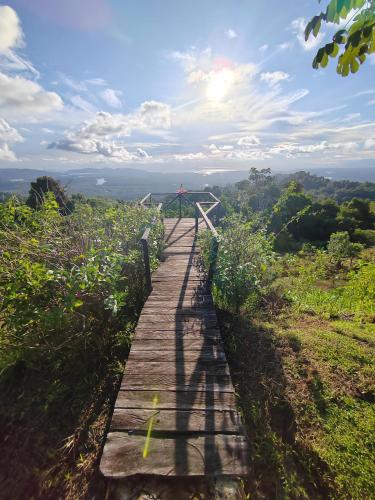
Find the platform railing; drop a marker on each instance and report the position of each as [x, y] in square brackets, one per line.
[182, 196]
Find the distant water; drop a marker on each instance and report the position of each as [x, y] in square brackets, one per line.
[100, 181]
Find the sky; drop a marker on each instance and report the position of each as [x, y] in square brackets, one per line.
[176, 86]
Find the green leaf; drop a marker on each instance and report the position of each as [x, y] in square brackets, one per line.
[354, 66]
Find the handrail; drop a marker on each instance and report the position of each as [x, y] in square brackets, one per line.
[145, 249]
[214, 241]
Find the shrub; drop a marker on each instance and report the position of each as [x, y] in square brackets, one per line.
[364, 236]
[69, 284]
[243, 263]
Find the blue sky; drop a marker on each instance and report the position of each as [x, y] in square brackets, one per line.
[179, 86]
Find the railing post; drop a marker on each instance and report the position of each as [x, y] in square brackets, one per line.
[180, 204]
[146, 260]
[196, 218]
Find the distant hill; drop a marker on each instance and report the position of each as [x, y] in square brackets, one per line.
[130, 183]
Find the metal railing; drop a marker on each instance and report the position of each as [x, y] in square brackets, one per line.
[182, 196]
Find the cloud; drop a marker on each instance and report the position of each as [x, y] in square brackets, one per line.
[81, 103]
[285, 45]
[112, 97]
[298, 28]
[190, 156]
[101, 135]
[11, 35]
[231, 34]
[274, 78]
[290, 149]
[8, 136]
[264, 48]
[11, 39]
[25, 100]
[96, 81]
[371, 103]
[249, 140]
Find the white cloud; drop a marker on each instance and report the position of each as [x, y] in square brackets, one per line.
[100, 135]
[190, 156]
[112, 97]
[249, 140]
[274, 78]
[81, 103]
[11, 35]
[371, 103]
[24, 100]
[298, 28]
[47, 130]
[11, 39]
[96, 81]
[285, 46]
[264, 47]
[231, 34]
[8, 136]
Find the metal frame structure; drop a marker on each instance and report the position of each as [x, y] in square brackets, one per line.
[182, 196]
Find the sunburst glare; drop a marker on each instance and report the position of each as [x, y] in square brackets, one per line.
[219, 84]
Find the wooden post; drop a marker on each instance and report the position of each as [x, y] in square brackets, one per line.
[196, 218]
[180, 203]
[146, 260]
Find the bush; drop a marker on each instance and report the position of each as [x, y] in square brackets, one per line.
[69, 284]
[243, 263]
[364, 236]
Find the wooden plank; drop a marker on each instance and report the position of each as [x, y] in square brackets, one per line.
[154, 344]
[206, 355]
[172, 421]
[208, 328]
[176, 317]
[176, 400]
[182, 368]
[210, 455]
[172, 382]
[170, 333]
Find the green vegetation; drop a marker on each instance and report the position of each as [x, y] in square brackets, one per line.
[296, 296]
[356, 39]
[71, 289]
[294, 285]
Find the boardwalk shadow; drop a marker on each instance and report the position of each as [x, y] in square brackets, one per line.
[202, 375]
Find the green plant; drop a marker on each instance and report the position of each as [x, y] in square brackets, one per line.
[357, 37]
[243, 263]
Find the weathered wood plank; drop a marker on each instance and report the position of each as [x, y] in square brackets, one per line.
[207, 356]
[187, 369]
[171, 334]
[176, 400]
[188, 344]
[172, 382]
[182, 456]
[172, 421]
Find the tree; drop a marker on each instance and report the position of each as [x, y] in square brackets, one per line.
[356, 39]
[259, 192]
[44, 185]
[340, 247]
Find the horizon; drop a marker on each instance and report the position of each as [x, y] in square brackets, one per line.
[176, 88]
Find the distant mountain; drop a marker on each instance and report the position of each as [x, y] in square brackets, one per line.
[126, 184]
[129, 183]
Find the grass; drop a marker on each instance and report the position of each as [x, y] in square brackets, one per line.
[306, 390]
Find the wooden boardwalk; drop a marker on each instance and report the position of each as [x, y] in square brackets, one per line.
[175, 412]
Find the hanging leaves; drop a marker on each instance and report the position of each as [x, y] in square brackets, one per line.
[356, 41]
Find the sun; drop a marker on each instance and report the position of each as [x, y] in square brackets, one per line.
[219, 84]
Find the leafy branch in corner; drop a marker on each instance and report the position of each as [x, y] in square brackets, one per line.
[354, 42]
